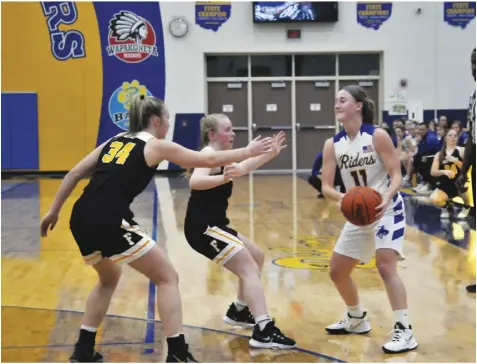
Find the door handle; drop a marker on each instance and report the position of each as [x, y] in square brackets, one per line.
[256, 127]
[314, 127]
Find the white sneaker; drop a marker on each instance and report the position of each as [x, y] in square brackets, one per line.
[463, 214]
[418, 187]
[445, 214]
[425, 190]
[402, 340]
[350, 325]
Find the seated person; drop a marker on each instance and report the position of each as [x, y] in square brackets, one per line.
[315, 178]
[427, 147]
[445, 167]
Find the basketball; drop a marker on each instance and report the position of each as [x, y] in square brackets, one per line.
[359, 205]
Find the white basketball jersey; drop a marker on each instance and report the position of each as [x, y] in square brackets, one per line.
[358, 162]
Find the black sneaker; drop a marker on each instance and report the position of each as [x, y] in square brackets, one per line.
[470, 288]
[270, 338]
[79, 356]
[187, 358]
[242, 318]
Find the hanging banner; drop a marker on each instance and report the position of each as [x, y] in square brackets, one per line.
[132, 46]
[459, 14]
[373, 14]
[212, 14]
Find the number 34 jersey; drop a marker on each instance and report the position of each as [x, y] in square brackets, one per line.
[358, 162]
[121, 174]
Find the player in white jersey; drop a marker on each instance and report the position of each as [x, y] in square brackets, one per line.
[366, 156]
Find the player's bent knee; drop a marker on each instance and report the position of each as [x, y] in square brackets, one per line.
[386, 262]
[243, 265]
[259, 258]
[336, 275]
[109, 273]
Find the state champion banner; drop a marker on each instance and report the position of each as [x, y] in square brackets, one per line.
[459, 14]
[373, 14]
[212, 14]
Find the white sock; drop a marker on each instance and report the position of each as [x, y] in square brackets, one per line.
[240, 305]
[355, 311]
[89, 328]
[402, 317]
[176, 335]
[262, 321]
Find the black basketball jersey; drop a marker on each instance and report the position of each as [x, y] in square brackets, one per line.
[121, 174]
[447, 165]
[210, 206]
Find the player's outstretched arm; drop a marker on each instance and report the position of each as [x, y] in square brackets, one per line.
[81, 170]
[159, 150]
[328, 172]
[240, 169]
[201, 179]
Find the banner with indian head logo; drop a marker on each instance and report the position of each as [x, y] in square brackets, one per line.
[132, 46]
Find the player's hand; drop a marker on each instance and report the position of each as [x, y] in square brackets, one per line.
[381, 209]
[340, 201]
[233, 170]
[278, 140]
[460, 182]
[48, 221]
[450, 174]
[259, 146]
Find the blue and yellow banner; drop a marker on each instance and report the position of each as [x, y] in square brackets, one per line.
[459, 14]
[132, 46]
[212, 14]
[373, 14]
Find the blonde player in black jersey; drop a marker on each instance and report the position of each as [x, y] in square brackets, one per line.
[446, 167]
[103, 226]
[207, 231]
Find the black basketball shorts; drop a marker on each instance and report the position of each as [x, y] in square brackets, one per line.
[448, 186]
[218, 243]
[122, 244]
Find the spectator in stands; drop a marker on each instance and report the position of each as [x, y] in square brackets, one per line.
[315, 178]
[403, 149]
[410, 146]
[427, 147]
[432, 127]
[462, 135]
[441, 132]
[443, 122]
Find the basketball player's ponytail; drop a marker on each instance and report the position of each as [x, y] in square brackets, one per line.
[368, 111]
[141, 109]
[207, 124]
[360, 95]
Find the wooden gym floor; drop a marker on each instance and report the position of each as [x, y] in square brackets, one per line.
[45, 283]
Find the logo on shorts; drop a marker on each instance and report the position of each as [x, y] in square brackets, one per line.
[131, 38]
[382, 232]
[120, 102]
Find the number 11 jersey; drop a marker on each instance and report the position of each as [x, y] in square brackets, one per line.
[358, 161]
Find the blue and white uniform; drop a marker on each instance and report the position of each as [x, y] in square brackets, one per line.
[360, 165]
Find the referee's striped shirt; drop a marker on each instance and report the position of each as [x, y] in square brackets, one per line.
[471, 117]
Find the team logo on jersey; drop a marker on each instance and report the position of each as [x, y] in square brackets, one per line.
[382, 232]
[347, 161]
[120, 102]
[131, 38]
